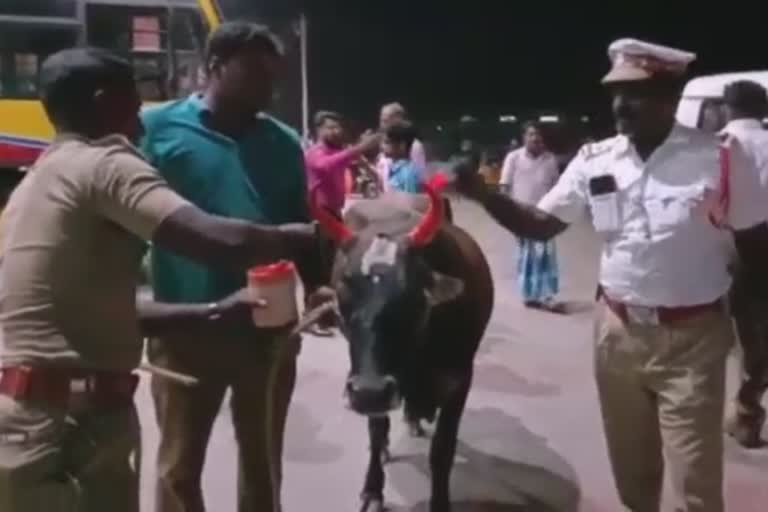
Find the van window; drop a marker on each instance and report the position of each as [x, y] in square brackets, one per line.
[712, 115]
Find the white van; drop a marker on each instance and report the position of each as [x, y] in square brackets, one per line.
[701, 106]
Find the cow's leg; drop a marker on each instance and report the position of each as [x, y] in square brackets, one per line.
[373, 491]
[443, 447]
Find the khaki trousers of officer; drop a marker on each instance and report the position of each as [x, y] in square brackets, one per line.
[261, 374]
[661, 392]
[65, 461]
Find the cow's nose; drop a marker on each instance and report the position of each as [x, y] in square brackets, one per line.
[373, 395]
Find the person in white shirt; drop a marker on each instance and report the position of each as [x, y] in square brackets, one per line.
[392, 114]
[746, 105]
[662, 335]
[527, 175]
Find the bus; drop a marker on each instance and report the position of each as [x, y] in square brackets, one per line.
[163, 39]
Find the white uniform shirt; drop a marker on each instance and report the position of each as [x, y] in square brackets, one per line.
[666, 252]
[529, 178]
[754, 139]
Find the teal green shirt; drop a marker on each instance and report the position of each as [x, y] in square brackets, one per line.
[259, 177]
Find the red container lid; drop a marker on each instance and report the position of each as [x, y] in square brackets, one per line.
[270, 273]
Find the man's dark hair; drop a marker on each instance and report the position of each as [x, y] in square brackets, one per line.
[529, 125]
[403, 132]
[325, 115]
[70, 79]
[233, 37]
[747, 98]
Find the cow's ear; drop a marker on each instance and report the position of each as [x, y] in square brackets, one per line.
[444, 289]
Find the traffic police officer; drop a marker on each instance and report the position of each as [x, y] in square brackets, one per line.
[662, 335]
[73, 236]
[746, 105]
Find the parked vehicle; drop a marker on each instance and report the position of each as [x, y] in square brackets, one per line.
[701, 105]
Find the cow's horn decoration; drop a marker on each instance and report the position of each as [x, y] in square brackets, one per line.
[426, 230]
[420, 235]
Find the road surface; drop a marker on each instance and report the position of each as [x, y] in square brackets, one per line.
[531, 438]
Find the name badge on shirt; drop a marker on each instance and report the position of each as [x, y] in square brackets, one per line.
[604, 204]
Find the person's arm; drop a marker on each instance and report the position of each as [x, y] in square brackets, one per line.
[564, 204]
[130, 193]
[225, 242]
[507, 173]
[162, 319]
[338, 162]
[323, 164]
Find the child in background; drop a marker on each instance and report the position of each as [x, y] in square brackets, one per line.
[404, 175]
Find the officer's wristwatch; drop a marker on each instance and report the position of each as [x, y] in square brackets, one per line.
[213, 312]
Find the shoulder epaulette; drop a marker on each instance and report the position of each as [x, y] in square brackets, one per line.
[594, 149]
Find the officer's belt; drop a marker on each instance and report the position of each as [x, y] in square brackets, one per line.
[57, 386]
[663, 315]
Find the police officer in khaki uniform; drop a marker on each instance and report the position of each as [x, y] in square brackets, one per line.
[73, 236]
[661, 335]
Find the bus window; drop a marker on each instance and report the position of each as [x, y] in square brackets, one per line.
[22, 49]
[164, 45]
[712, 116]
[66, 8]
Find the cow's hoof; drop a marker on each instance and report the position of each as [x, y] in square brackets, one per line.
[415, 429]
[372, 504]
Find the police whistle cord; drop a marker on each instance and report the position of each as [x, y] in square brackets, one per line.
[309, 319]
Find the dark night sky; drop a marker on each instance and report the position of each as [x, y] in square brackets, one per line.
[444, 59]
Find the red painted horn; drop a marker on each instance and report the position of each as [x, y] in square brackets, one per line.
[426, 230]
[333, 227]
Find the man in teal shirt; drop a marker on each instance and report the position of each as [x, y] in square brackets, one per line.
[220, 152]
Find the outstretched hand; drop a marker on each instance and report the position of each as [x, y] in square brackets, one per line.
[236, 310]
[469, 182]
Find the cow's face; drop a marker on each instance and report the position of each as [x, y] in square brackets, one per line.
[385, 292]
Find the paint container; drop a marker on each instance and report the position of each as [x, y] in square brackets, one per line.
[275, 284]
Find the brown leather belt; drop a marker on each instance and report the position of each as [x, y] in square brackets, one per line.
[657, 315]
[57, 386]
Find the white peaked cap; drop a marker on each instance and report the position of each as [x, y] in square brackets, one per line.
[634, 60]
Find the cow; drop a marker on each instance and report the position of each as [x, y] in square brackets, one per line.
[414, 295]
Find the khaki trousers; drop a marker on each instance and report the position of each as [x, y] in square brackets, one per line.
[662, 392]
[261, 375]
[66, 461]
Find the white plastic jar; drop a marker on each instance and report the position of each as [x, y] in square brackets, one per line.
[275, 284]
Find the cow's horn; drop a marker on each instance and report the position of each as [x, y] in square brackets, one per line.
[426, 230]
[333, 227]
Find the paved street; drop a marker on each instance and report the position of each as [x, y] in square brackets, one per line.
[531, 438]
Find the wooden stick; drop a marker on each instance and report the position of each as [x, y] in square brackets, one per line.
[310, 317]
[178, 378]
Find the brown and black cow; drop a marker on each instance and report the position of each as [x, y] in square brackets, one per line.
[415, 296]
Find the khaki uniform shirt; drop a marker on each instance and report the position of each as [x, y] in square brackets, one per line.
[73, 237]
